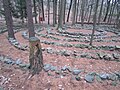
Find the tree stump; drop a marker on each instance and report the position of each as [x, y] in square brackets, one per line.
[35, 58]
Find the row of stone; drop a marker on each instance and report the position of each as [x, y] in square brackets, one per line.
[108, 28]
[82, 46]
[96, 56]
[16, 44]
[63, 71]
[74, 36]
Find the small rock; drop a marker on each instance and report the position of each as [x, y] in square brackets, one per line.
[8, 61]
[1, 88]
[22, 65]
[78, 78]
[18, 61]
[98, 78]
[69, 68]
[103, 76]
[116, 56]
[108, 57]
[89, 78]
[101, 55]
[117, 47]
[112, 77]
[47, 67]
[49, 50]
[76, 71]
[53, 68]
[64, 68]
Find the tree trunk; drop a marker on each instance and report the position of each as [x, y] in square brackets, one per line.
[64, 12]
[35, 57]
[69, 10]
[48, 1]
[92, 1]
[60, 21]
[113, 10]
[54, 12]
[8, 18]
[94, 22]
[108, 5]
[99, 18]
[34, 3]
[30, 18]
[82, 14]
[77, 10]
[74, 12]
[42, 10]
[118, 15]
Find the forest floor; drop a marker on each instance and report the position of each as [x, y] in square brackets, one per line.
[12, 77]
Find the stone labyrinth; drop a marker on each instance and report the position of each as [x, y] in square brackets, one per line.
[73, 41]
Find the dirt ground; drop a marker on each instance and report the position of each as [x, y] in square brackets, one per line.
[15, 76]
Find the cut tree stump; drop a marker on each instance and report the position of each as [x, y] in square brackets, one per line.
[35, 58]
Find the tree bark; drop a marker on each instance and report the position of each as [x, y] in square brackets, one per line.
[99, 18]
[60, 21]
[107, 10]
[64, 12]
[94, 22]
[35, 57]
[54, 12]
[118, 15]
[30, 18]
[34, 3]
[48, 1]
[8, 18]
[69, 10]
[74, 12]
[82, 14]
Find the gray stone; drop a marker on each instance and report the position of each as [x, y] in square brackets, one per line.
[1, 88]
[118, 74]
[78, 78]
[64, 68]
[49, 50]
[22, 65]
[117, 47]
[8, 61]
[116, 56]
[83, 55]
[76, 71]
[98, 78]
[69, 68]
[53, 68]
[103, 76]
[112, 77]
[89, 78]
[101, 55]
[47, 67]
[18, 61]
[108, 57]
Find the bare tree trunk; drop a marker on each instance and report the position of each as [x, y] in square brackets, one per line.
[35, 57]
[118, 15]
[60, 21]
[82, 14]
[69, 10]
[77, 10]
[113, 10]
[54, 12]
[8, 18]
[108, 5]
[64, 12]
[34, 3]
[30, 18]
[43, 10]
[92, 1]
[99, 18]
[110, 11]
[74, 12]
[94, 22]
[48, 1]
